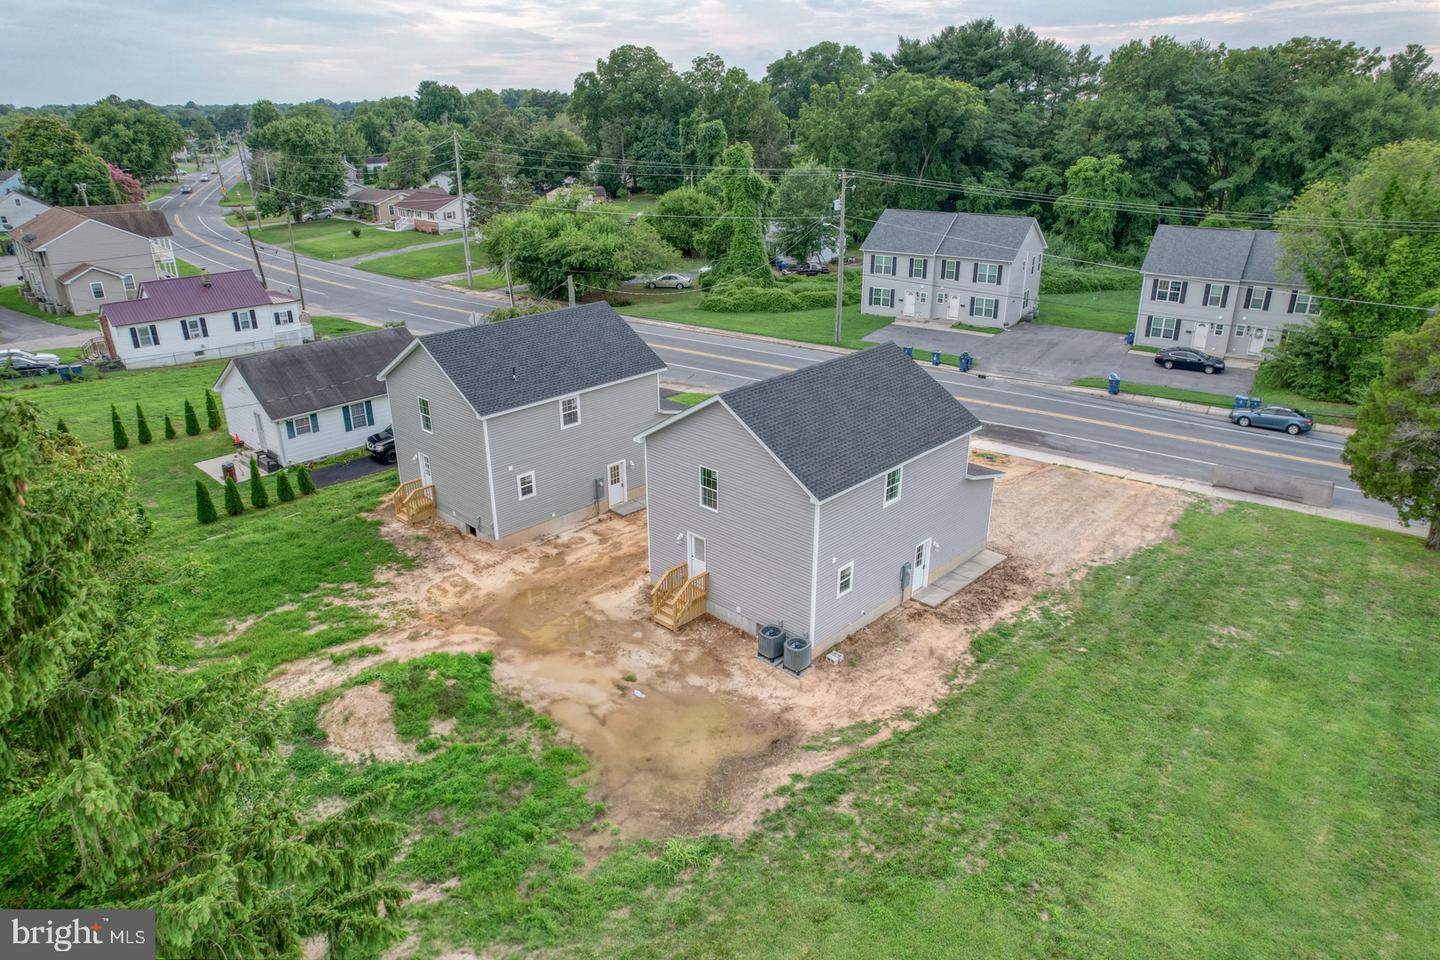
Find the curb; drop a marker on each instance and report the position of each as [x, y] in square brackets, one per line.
[1193, 486]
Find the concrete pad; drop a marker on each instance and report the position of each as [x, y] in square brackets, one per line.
[958, 579]
[241, 459]
[629, 507]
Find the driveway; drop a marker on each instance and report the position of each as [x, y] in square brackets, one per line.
[349, 470]
[24, 332]
[1032, 351]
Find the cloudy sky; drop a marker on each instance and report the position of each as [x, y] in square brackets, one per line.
[223, 51]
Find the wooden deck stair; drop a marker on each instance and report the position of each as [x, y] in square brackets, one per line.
[677, 598]
[414, 501]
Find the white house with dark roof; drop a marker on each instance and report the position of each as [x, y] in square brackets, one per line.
[527, 425]
[311, 401]
[430, 211]
[185, 319]
[975, 268]
[1219, 290]
[820, 498]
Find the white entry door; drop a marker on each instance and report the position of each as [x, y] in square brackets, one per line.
[909, 307]
[921, 576]
[1257, 342]
[616, 475]
[425, 479]
[1200, 335]
[260, 431]
[695, 554]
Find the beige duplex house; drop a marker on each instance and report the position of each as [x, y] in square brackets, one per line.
[75, 258]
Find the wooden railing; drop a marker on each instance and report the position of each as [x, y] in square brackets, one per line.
[677, 598]
[414, 500]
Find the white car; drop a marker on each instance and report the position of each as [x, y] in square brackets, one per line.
[677, 280]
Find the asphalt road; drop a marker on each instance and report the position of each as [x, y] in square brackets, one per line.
[1115, 432]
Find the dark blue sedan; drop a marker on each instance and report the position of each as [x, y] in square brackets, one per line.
[1290, 420]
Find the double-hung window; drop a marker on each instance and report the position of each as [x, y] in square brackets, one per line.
[882, 264]
[243, 319]
[1162, 328]
[949, 269]
[987, 273]
[892, 486]
[709, 489]
[97, 290]
[1304, 303]
[882, 297]
[845, 579]
[987, 307]
[1171, 291]
[302, 426]
[569, 412]
[283, 317]
[1216, 294]
[425, 423]
[359, 415]
[195, 327]
[525, 484]
[128, 281]
[919, 266]
[144, 335]
[1257, 298]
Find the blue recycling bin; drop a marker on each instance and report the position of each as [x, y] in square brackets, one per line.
[70, 371]
[1241, 401]
[1255, 403]
[910, 352]
[1113, 386]
[966, 361]
[935, 358]
[1130, 338]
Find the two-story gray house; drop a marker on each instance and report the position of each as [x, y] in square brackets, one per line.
[810, 498]
[75, 258]
[1219, 290]
[527, 425]
[975, 268]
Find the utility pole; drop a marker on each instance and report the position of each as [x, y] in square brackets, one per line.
[83, 195]
[840, 258]
[570, 287]
[245, 219]
[509, 288]
[464, 210]
[245, 170]
[290, 229]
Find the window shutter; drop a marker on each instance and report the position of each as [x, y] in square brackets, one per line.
[1291, 307]
[972, 306]
[314, 423]
[1149, 326]
[154, 336]
[1266, 304]
[974, 278]
[1155, 289]
[345, 415]
[1224, 296]
[369, 413]
[872, 263]
[185, 329]
[134, 338]
[290, 429]
[204, 329]
[1249, 297]
[1184, 289]
[1205, 300]
[235, 319]
[999, 273]
[924, 269]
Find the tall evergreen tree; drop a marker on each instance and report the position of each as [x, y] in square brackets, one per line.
[259, 497]
[212, 412]
[129, 784]
[303, 481]
[204, 506]
[142, 426]
[233, 504]
[118, 436]
[169, 428]
[283, 489]
[192, 422]
[60, 426]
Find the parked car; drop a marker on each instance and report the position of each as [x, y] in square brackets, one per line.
[677, 280]
[811, 269]
[1186, 359]
[26, 363]
[188, 188]
[324, 213]
[381, 446]
[1289, 419]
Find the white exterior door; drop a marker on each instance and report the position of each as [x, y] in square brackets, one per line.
[921, 576]
[259, 432]
[425, 479]
[616, 476]
[1200, 335]
[695, 554]
[909, 307]
[1257, 341]
[954, 308]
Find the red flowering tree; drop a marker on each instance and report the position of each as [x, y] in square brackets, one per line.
[127, 185]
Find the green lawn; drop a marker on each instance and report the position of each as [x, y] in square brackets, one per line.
[689, 398]
[806, 326]
[338, 326]
[237, 194]
[1340, 414]
[185, 268]
[440, 260]
[157, 190]
[332, 240]
[975, 328]
[10, 299]
[1109, 311]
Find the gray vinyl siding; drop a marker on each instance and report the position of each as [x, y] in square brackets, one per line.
[95, 243]
[759, 544]
[456, 445]
[567, 462]
[1196, 323]
[936, 501]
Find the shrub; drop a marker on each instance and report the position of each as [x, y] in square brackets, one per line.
[283, 490]
[142, 426]
[522, 308]
[212, 411]
[60, 426]
[117, 430]
[738, 298]
[233, 504]
[169, 428]
[303, 481]
[192, 422]
[1058, 278]
[204, 506]
[355, 232]
[259, 496]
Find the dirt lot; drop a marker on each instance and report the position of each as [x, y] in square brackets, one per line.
[690, 733]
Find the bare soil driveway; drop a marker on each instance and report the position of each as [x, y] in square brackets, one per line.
[1033, 351]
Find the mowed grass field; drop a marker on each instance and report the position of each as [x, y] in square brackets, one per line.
[437, 260]
[332, 239]
[1108, 311]
[1225, 746]
[806, 326]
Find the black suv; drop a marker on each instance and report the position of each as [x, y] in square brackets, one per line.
[1187, 359]
[381, 446]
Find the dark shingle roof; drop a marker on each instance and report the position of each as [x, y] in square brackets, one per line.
[295, 380]
[1216, 253]
[969, 236]
[847, 420]
[551, 355]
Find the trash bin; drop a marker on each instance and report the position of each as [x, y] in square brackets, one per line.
[70, 371]
[1130, 338]
[910, 352]
[965, 361]
[1114, 384]
[935, 358]
[1241, 401]
[1255, 403]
